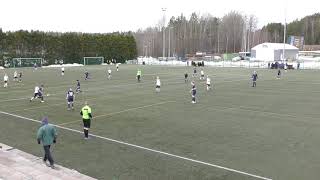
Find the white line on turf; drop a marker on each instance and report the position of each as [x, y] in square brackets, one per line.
[17, 99]
[113, 113]
[147, 149]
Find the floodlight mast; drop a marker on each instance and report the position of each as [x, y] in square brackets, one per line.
[163, 32]
[284, 31]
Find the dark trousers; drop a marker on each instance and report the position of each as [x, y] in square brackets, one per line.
[47, 154]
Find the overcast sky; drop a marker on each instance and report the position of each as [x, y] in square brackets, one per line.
[102, 16]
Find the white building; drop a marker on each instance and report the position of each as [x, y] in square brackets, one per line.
[274, 52]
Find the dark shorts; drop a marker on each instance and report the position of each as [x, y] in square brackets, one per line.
[157, 86]
[70, 99]
[138, 76]
[86, 123]
[194, 93]
[208, 85]
[5, 81]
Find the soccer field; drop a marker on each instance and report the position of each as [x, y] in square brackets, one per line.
[234, 132]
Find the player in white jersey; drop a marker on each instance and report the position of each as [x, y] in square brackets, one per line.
[38, 93]
[70, 98]
[208, 83]
[117, 65]
[158, 84]
[109, 73]
[15, 76]
[201, 74]
[62, 71]
[5, 79]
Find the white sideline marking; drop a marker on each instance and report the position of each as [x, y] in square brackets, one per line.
[113, 113]
[147, 149]
[7, 100]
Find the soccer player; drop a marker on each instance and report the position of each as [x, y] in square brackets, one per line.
[279, 74]
[185, 77]
[109, 73]
[193, 92]
[285, 67]
[15, 76]
[117, 65]
[208, 83]
[86, 117]
[194, 72]
[5, 79]
[20, 76]
[38, 93]
[70, 98]
[35, 66]
[78, 87]
[86, 75]
[62, 71]
[202, 74]
[139, 75]
[254, 79]
[158, 84]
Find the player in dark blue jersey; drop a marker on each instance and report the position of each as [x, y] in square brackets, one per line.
[279, 74]
[186, 77]
[194, 72]
[78, 90]
[86, 75]
[193, 92]
[70, 98]
[254, 79]
[20, 76]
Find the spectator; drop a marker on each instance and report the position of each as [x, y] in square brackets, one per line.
[47, 135]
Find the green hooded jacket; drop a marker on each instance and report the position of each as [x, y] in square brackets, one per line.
[46, 134]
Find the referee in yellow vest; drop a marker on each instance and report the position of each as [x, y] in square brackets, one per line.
[86, 117]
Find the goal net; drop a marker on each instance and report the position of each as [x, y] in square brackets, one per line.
[23, 62]
[93, 60]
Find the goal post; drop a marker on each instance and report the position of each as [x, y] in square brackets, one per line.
[93, 60]
[24, 62]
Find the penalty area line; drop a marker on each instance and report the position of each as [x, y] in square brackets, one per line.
[145, 148]
[118, 112]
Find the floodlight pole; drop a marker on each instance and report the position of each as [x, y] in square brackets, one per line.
[169, 44]
[163, 32]
[284, 30]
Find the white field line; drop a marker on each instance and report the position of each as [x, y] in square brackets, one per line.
[92, 89]
[68, 86]
[17, 99]
[124, 85]
[147, 149]
[118, 112]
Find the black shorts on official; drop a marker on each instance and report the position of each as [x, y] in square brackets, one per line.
[157, 86]
[208, 84]
[86, 123]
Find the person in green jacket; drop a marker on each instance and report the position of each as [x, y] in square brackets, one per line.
[86, 117]
[47, 135]
[139, 74]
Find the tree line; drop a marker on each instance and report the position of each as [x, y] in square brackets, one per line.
[232, 33]
[70, 47]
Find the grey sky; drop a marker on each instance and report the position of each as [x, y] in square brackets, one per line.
[124, 15]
